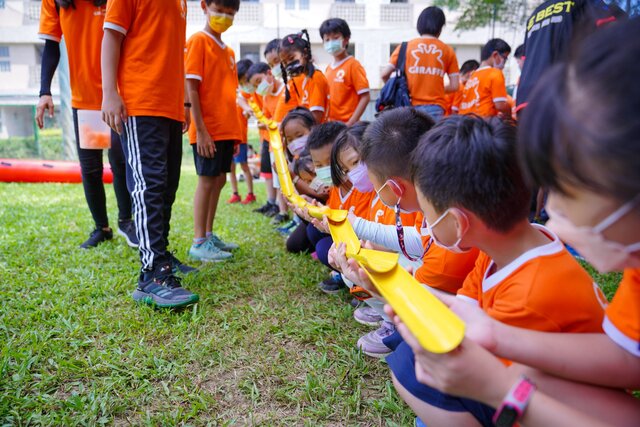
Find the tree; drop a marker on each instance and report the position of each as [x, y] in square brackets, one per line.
[483, 13]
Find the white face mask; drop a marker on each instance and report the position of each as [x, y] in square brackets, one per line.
[276, 71]
[455, 248]
[397, 205]
[264, 87]
[605, 255]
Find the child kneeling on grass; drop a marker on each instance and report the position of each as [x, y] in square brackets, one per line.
[216, 134]
[586, 155]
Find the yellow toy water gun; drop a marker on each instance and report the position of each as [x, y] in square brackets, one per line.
[436, 327]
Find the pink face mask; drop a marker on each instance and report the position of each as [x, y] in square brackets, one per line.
[455, 248]
[605, 255]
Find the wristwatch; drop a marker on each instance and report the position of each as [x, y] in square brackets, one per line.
[514, 403]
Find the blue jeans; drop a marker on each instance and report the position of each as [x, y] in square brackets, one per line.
[435, 111]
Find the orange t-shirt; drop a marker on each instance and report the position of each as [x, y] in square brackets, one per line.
[453, 101]
[310, 92]
[151, 71]
[381, 214]
[544, 289]
[354, 201]
[442, 269]
[427, 61]
[264, 133]
[347, 81]
[484, 88]
[82, 30]
[213, 63]
[244, 124]
[622, 317]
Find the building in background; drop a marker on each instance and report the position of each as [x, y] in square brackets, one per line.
[377, 27]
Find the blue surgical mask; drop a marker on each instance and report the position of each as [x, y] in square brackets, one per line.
[360, 178]
[324, 175]
[333, 46]
[264, 87]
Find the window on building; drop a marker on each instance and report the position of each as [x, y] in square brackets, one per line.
[291, 4]
[5, 63]
[250, 51]
[398, 1]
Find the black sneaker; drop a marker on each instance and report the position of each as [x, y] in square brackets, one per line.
[280, 218]
[160, 288]
[355, 303]
[178, 267]
[332, 285]
[273, 211]
[128, 230]
[97, 236]
[263, 209]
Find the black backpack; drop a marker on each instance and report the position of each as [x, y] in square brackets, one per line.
[395, 92]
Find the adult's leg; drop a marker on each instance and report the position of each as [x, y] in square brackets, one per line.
[145, 144]
[92, 169]
[119, 170]
[174, 163]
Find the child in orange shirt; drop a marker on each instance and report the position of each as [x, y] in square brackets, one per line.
[270, 208]
[348, 84]
[520, 275]
[561, 146]
[386, 145]
[304, 85]
[244, 112]
[455, 98]
[143, 99]
[215, 137]
[485, 93]
[428, 60]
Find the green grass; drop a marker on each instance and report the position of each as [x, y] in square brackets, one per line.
[263, 346]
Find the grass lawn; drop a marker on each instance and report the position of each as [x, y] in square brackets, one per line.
[264, 346]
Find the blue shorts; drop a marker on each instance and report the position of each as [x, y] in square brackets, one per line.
[242, 155]
[402, 364]
[435, 111]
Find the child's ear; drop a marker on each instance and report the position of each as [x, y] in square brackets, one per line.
[462, 220]
[203, 5]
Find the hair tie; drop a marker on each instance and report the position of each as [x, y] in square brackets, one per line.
[290, 39]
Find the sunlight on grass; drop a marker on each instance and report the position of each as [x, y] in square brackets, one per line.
[264, 346]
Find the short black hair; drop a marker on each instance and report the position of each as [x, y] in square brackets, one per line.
[519, 52]
[492, 45]
[299, 113]
[232, 4]
[567, 138]
[324, 134]
[348, 138]
[243, 66]
[470, 162]
[257, 68]
[388, 142]
[271, 46]
[335, 25]
[431, 21]
[470, 65]
[303, 164]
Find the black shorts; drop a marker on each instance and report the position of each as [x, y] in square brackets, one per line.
[219, 164]
[265, 160]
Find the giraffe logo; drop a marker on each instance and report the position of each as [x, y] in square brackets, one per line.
[427, 50]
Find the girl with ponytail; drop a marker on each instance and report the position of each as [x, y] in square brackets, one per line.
[305, 86]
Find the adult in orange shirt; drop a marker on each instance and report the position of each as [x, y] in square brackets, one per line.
[428, 60]
[143, 99]
[485, 93]
[305, 86]
[212, 80]
[348, 84]
[80, 22]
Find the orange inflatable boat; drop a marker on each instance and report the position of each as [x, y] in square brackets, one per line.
[19, 170]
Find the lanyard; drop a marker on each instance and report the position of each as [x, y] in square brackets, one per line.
[400, 232]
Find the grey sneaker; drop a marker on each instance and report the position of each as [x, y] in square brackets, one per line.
[371, 343]
[208, 252]
[224, 246]
[127, 230]
[366, 315]
[160, 288]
